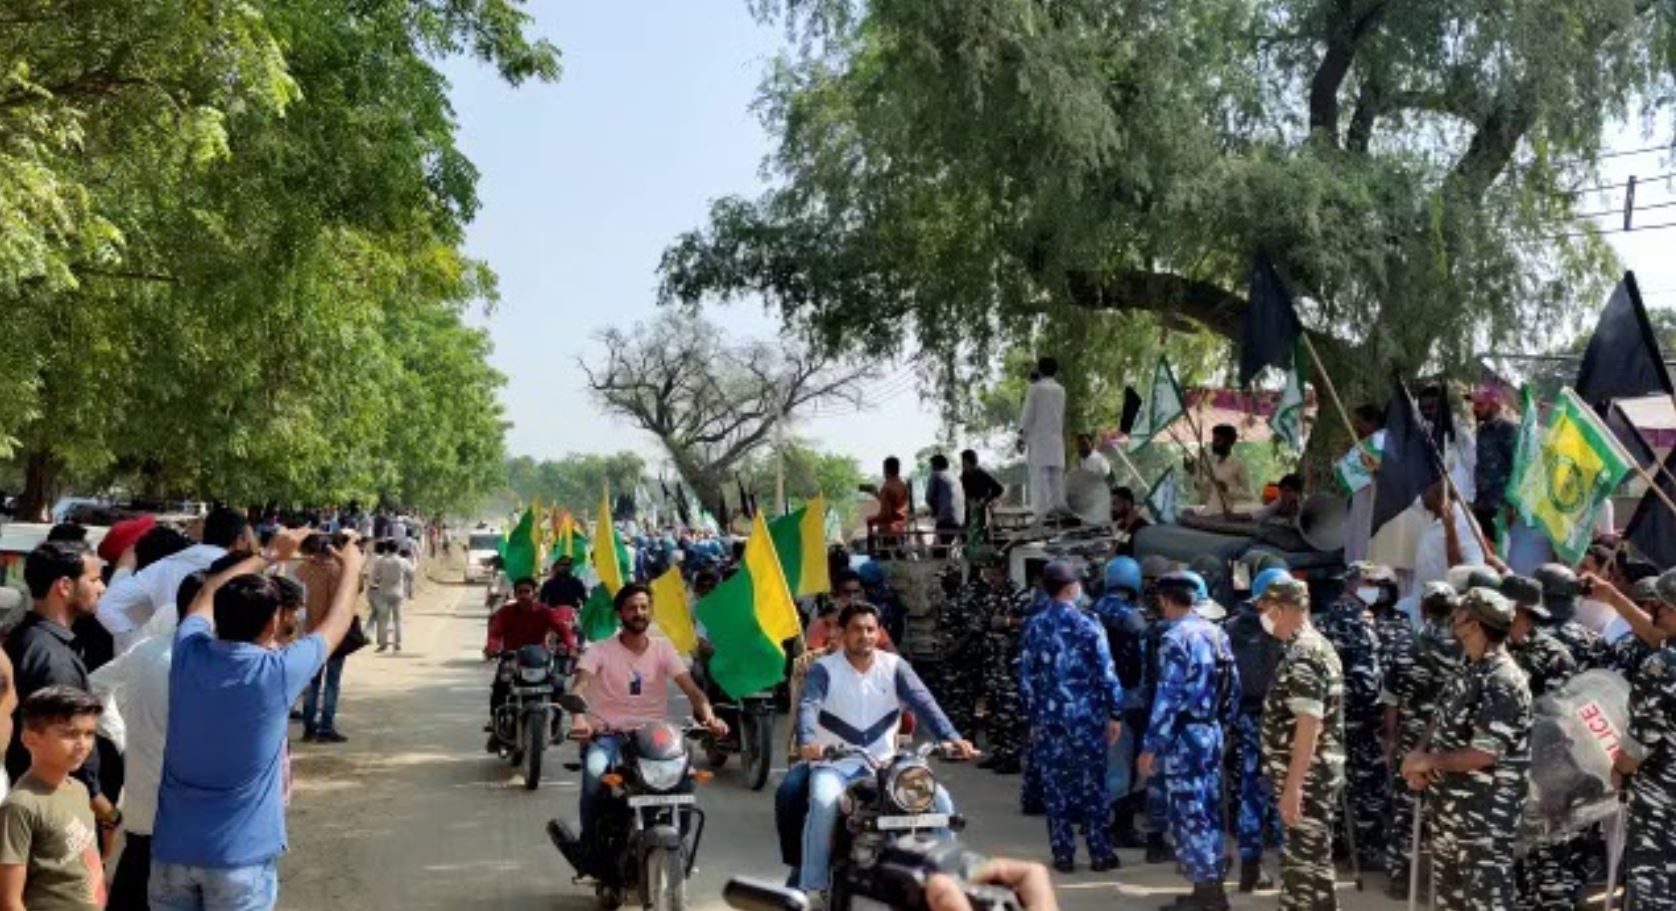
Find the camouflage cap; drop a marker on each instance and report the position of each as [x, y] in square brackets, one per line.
[1484, 577]
[1647, 589]
[1437, 594]
[1372, 572]
[1155, 566]
[1288, 592]
[1488, 607]
[1666, 587]
[1525, 593]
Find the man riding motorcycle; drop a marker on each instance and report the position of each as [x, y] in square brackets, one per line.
[856, 697]
[626, 682]
[520, 622]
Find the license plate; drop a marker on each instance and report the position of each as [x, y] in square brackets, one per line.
[922, 821]
[661, 800]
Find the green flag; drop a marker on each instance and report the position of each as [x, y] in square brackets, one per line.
[1577, 465]
[1287, 422]
[522, 549]
[748, 616]
[599, 615]
[800, 542]
[1162, 405]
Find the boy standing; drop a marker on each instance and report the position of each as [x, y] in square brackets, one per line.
[49, 842]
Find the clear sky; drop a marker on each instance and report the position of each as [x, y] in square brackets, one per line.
[585, 181]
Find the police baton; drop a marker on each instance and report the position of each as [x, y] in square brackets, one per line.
[1350, 834]
[1414, 850]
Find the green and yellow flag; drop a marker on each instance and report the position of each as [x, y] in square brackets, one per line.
[671, 612]
[521, 554]
[599, 615]
[1578, 464]
[570, 540]
[747, 618]
[800, 541]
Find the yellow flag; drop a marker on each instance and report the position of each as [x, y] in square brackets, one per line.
[605, 547]
[776, 613]
[671, 612]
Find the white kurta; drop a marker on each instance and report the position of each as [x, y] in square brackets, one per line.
[1042, 427]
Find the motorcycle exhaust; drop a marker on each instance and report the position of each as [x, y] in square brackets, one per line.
[749, 894]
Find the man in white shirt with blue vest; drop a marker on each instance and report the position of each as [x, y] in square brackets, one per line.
[855, 697]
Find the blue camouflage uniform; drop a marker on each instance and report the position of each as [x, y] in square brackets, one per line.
[1030, 788]
[1196, 680]
[1125, 628]
[1069, 691]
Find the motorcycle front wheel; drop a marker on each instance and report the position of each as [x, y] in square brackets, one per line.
[756, 741]
[666, 881]
[535, 744]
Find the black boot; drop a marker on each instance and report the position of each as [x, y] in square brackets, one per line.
[1157, 852]
[1207, 897]
[1123, 828]
[569, 845]
[1102, 864]
[1251, 874]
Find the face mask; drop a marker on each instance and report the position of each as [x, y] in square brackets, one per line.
[1267, 619]
[1368, 594]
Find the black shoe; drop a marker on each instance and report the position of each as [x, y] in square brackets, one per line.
[330, 737]
[988, 762]
[1007, 767]
[1157, 852]
[1105, 863]
[493, 746]
[296, 714]
[569, 845]
[1206, 897]
[1064, 866]
[1127, 837]
[1250, 872]
[1177, 904]
[1033, 809]
[309, 737]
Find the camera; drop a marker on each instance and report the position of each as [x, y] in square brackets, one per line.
[895, 879]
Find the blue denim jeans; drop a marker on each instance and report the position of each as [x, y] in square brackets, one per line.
[177, 887]
[602, 754]
[826, 784]
[329, 678]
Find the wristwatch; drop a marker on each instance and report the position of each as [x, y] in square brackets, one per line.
[115, 822]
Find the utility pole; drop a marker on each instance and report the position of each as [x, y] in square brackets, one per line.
[780, 457]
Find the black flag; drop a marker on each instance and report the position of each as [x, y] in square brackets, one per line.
[1269, 329]
[1131, 409]
[1624, 429]
[721, 516]
[1623, 359]
[681, 505]
[1652, 529]
[1409, 464]
[665, 488]
[746, 504]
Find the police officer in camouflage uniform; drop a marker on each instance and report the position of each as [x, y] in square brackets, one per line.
[1119, 611]
[1348, 625]
[1551, 876]
[958, 679]
[1647, 760]
[1197, 687]
[1070, 692]
[1256, 653]
[1420, 668]
[1031, 801]
[1626, 654]
[1154, 803]
[1475, 771]
[1303, 746]
[1560, 589]
[1003, 613]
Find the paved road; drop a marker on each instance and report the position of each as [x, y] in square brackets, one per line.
[413, 814]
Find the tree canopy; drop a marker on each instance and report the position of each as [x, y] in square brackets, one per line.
[952, 173]
[231, 235]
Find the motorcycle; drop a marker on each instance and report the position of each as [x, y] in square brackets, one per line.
[879, 813]
[750, 733]
[649, 827]
[527, 721]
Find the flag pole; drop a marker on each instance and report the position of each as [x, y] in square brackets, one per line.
[1327, 381]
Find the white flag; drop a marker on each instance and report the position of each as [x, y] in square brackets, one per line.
[1161, 499]
[1162, 405]
[1287, 422]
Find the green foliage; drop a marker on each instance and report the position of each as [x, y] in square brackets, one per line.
[966, 176]
[575, 481]
[232, 233]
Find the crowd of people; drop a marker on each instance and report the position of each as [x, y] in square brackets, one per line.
[148, 691]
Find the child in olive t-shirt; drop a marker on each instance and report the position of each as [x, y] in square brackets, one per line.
[49, 844]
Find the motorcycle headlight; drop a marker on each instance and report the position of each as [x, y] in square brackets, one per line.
[913, 789]
[504, 673]
[662, 774]
[532, 674]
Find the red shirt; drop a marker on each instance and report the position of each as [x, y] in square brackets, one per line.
[513, 627]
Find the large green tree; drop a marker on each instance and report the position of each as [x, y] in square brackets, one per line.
[951, 173]
[242, 273]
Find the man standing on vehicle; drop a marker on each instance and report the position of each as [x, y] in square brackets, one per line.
[855, 698]
[626, 681]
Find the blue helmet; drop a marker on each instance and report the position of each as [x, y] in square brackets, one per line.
[1201, 591]
[871, 573]
[1265, 579]
[1121, 573]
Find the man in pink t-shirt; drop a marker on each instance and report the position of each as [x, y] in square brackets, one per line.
[626, 682]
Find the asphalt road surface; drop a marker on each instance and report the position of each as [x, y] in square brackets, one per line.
[411, 813]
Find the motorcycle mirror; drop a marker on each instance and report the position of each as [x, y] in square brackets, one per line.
[573, 703]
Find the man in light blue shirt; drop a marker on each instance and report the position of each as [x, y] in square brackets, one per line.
[220, 815]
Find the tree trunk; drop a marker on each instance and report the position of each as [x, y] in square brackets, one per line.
[40, 485]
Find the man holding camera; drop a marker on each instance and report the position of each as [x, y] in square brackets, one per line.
[855, 697]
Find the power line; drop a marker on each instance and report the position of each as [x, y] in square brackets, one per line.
[1614, 186]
